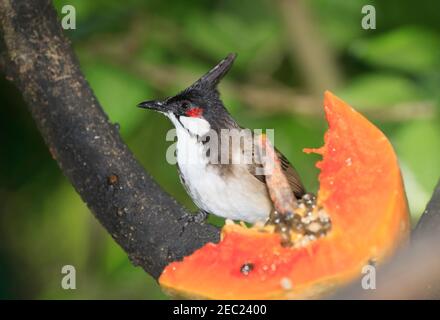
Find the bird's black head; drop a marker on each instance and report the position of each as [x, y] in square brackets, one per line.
[200, 100]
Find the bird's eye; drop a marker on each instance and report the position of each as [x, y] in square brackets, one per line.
[185, 105]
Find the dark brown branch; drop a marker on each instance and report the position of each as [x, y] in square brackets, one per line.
[142, 218]
[308, 47]
[430, 219]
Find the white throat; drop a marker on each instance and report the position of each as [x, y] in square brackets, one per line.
[190, 151]
[196, 126]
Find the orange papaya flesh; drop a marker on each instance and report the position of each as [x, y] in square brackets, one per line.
[361, 189]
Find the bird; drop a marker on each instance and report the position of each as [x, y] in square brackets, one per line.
[230, 190]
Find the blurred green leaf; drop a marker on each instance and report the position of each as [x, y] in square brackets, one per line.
[232, 35]
[119, 92]
[418, 145]
[380, 90]
[334, 16]
[409, 49]
[83, 9]
[418, 196]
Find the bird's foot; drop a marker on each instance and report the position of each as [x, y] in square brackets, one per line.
[199, 217]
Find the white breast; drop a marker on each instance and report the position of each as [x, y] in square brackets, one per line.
[235, 196]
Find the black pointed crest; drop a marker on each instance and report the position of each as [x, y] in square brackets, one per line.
[213, 77]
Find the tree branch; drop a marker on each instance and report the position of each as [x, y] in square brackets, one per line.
[141, 217]
[314, 56]
[430, 220]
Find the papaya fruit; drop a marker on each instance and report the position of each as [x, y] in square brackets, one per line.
[361, 191]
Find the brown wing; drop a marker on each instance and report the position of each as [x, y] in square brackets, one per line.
[291, 175]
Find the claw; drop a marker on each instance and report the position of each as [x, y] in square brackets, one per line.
[199, 217]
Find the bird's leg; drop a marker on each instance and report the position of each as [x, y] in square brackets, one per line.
[199, 217]
[274, 217]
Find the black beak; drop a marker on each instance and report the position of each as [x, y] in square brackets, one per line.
[152, 105]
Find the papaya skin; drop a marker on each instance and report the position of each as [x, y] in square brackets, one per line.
[361, 189]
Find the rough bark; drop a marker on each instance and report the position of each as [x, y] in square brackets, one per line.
[140, 216]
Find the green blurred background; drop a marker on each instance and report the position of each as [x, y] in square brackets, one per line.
[288, 53]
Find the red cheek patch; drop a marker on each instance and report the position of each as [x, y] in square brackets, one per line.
[194, 112]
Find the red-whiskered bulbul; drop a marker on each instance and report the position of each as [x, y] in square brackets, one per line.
[228, 190]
